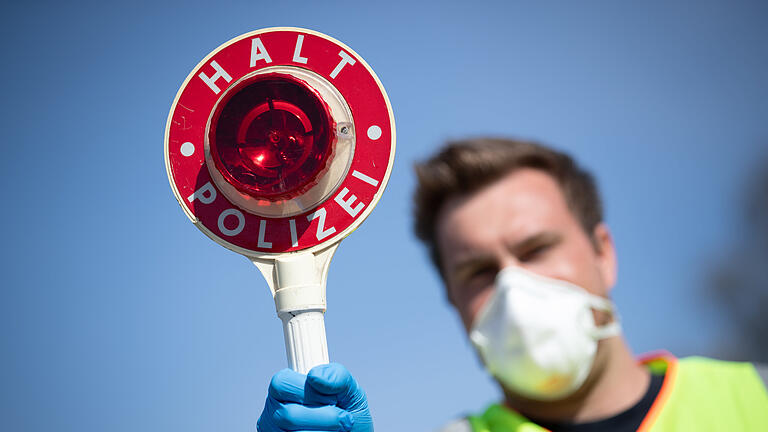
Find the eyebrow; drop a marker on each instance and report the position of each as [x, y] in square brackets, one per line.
[537, 240]
[476, 260]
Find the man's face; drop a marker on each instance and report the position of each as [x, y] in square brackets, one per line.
[522, 220]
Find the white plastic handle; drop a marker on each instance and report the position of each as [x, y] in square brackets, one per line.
[297, 282]
[305, 342]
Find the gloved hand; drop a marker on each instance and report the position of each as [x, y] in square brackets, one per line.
[326, 399]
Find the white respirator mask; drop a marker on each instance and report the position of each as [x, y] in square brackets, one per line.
[537, 335]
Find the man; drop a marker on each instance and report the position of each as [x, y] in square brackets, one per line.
[515, 230]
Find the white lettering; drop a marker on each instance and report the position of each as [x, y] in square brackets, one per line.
[347, 204]
[258, 52]
[365, 178]
[345, 59]
[262, 231]
[211, 81]
[200, 194]
[294, 236]
[240, 222]
[321, 231]
[297, 52]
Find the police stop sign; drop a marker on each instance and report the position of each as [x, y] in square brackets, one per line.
[280, 140]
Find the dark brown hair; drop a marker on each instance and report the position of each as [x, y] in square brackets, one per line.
[464, 166]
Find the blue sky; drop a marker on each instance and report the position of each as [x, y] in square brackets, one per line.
[117, 314]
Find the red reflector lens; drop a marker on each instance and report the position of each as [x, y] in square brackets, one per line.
[272, 137]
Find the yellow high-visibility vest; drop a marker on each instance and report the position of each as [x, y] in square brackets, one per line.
[698, 394]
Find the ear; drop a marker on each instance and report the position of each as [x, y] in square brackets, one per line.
[606, 255]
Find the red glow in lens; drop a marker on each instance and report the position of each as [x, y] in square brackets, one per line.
[273, 137]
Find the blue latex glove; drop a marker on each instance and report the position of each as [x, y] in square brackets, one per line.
[326, 399]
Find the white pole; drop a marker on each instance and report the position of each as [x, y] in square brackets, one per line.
[300, 303]
[305, 343]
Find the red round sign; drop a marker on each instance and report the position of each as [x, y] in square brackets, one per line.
[280, 140]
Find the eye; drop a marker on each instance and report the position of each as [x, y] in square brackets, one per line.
[474, 282]
[482, 273]
[534, 253]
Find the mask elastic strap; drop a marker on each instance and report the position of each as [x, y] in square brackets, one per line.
[611, 329]
[600, 303]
